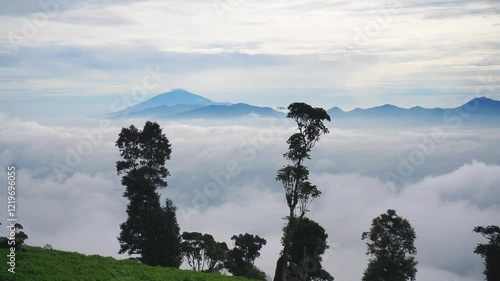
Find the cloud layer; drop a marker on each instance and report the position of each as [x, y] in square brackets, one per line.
[347, 53]
[230, 189]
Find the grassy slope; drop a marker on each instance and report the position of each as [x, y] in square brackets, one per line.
[37, 264]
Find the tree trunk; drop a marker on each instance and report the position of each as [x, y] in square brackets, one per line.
[281, 270]
[280, 265]
[303, 276]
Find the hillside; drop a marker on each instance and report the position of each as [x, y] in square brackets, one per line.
[37, 264]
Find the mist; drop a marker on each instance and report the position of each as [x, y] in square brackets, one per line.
[442, 179]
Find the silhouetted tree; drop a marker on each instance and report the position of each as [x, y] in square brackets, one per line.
[20, 235]
[490, 252]
[168, 243]
[241, 259]
[217, 255]
[18, 240]
[309, 244]
[202, 252]
[295, 176]
[145, 232]
[392, 249]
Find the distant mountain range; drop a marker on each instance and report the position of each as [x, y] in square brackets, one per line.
[477, 111]
[181, 104]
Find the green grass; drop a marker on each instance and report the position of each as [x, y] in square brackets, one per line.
[37, 264]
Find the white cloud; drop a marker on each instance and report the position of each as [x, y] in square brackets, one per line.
[446, 197]
[356, 48]
[445, 240]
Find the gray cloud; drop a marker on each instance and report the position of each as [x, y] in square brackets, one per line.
[90, 72]
[328, 47]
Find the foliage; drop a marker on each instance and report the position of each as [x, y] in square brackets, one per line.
[168, 242]
[295, 176]
[150, 230]
[54, 265]
[241, 259]
[20, 237]
[490, 252]
[4, 242]
[299, 191]
[309, 244]
[202, 252]
[392, 249]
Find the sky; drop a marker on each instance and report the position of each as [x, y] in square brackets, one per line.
[65, 62]
[329, 52]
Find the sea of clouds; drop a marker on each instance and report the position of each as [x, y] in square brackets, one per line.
[443, 180]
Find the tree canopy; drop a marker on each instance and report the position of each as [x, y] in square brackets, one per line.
[241, 259]
[202, 252]
[490, 252]
[309, 244]
[391, 248]
[150, 230]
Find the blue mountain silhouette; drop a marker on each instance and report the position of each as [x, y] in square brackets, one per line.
[181, 104]
[477, 111]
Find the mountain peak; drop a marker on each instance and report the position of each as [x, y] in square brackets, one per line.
[179, 91]
[388, 106]
[335, 109]
[483, 101]
[173, 98]
[484, 98]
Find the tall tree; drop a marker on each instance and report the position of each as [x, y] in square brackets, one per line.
[144, 153]
[202, 252]
[299, 191]
[490, 252]
[309, 244]
[241, 259]
[392, 249]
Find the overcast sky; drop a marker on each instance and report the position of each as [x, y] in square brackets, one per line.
[68, 59]
[328, 52]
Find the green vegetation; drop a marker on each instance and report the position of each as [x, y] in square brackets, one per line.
[37, 264]
[391, 248]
